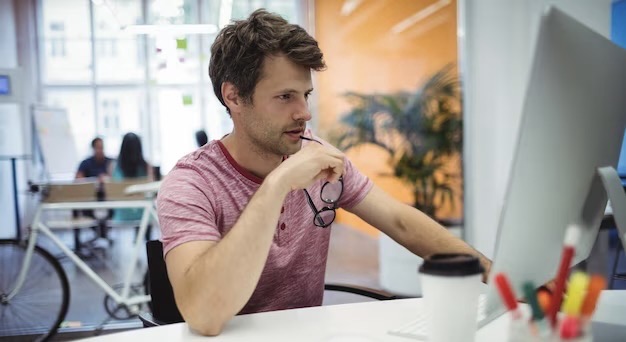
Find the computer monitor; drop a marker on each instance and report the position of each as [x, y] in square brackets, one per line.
[5, 85]
[573, 122]
[10, 86]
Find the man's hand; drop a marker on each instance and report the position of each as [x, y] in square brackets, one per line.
[311, 163]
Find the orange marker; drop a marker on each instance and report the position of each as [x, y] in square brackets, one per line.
[544, 300]
[596, 285]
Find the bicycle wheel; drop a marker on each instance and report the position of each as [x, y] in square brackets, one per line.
[41, 304]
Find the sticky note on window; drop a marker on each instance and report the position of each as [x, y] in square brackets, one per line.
[181, 44]
[187, 100]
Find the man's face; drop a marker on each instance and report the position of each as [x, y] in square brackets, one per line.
[279, 110]
[98, 149]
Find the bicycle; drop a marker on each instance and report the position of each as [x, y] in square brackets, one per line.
[34, 297]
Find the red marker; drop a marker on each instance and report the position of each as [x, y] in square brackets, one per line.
[570, 328]
[571, 239]
[506, 292]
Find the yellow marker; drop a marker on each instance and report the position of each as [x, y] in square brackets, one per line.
[576, 290]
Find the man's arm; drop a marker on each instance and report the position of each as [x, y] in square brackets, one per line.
[411, 228]
[80, 173]
[212, 281]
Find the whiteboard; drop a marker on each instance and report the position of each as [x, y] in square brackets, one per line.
[55, 141]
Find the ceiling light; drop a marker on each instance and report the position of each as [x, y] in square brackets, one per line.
[417, 17]
[349, 6]
[173, 30]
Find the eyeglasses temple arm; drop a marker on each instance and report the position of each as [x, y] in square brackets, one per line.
[313, 208]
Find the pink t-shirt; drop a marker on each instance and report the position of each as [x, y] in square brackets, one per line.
[202, 198]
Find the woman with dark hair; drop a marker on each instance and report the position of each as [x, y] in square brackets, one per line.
[130, 165]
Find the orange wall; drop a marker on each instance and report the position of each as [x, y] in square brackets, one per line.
[364, 55]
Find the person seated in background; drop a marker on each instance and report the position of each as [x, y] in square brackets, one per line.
[130, 165]
[201, 138]
[240, 234]
[96, 165]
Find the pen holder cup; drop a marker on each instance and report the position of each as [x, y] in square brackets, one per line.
[521, 331]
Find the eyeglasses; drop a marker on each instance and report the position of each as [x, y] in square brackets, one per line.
[330, 194]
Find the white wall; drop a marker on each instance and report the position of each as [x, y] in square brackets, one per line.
[7, 35]
[496, 42]
[17, 44]
[8, 60]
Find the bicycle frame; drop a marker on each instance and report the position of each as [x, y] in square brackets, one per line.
[149, 213]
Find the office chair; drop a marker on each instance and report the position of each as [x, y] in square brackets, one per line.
[163, 305]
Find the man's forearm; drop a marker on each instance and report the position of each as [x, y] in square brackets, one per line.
[223, 278]
[430, 237]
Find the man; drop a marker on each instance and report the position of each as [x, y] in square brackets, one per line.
[240, 234]
[96, 165]
[201, 138]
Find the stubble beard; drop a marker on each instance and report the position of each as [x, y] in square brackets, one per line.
[270, 142]
[273, 143]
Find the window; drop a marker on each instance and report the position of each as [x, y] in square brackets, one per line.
[81, 115]
[119, 56]
[67, 50]
[113, 81]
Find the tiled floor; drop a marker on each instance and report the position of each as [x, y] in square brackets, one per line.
[353, 259]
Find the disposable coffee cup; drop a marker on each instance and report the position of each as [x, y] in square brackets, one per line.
[450, 287]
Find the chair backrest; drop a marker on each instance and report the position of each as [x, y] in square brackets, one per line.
[71, 192]
[115, 191]
[163, 306]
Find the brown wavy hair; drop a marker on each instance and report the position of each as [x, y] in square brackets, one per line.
[240, 48]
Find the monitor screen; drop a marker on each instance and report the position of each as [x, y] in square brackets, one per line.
[621, 166]
[5, 85]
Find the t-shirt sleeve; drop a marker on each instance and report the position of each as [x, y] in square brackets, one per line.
[83, 167]
[186, 209]
[355, 186]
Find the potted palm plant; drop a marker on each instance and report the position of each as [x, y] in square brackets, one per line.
[422, 133]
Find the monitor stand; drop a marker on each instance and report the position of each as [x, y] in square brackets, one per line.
[615, 192]
[607, 321]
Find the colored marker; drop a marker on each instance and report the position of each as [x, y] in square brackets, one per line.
[571, 239]
[537, 320]
[576, 290]
[596, 285]
[570, 328]
[531, 298]
[544, 297]
[507, 295]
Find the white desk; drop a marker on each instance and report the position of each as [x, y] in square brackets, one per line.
[368, 321]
